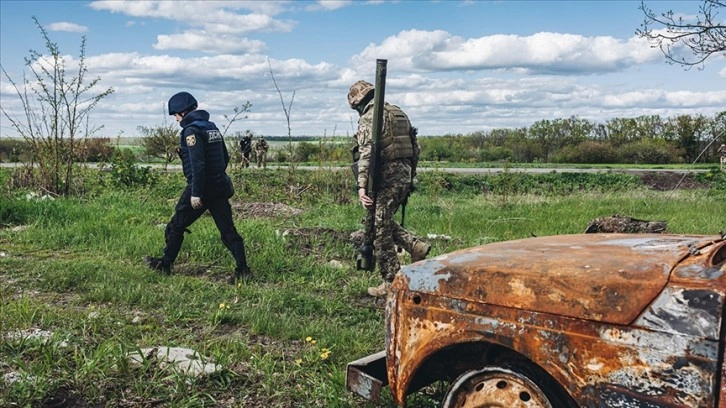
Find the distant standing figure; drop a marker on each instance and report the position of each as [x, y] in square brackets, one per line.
[204, 158]
[245, 144]
[722, 152]
[261, 151]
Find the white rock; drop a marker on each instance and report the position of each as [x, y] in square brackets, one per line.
[183, 360]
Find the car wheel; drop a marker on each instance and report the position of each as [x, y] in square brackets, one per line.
[493, 387]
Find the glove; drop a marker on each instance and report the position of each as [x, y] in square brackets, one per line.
[196, 203]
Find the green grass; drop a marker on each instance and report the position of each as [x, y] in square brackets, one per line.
[73, 266]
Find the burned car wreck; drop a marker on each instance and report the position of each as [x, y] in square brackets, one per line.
[586, 320]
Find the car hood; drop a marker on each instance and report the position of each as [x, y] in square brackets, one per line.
[602, 277]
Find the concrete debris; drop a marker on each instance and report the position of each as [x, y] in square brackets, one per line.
[183, 360]
[36, 334]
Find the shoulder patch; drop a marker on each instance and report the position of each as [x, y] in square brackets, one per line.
[191, 140]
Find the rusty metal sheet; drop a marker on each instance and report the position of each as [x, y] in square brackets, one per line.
[601, 277]
[367, 376]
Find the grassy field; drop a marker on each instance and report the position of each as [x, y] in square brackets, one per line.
[73, 268]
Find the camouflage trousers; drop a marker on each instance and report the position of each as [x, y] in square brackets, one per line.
[262, 159]
[395, 186]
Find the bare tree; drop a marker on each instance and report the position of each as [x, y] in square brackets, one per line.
[286, 109]
[704, 37]
[247, 107]
[55, 111]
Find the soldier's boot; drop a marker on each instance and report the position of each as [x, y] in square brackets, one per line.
[379, 291]
[158, 265]
[420, 251]
[240, 274]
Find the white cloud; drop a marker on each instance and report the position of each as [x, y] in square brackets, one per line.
[545, 52]
[212, 16]
[329, 5]
[68, 27]
[203, 41]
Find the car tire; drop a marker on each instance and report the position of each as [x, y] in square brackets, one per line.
[499, 386]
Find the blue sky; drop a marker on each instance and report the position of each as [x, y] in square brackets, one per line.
[453, 66]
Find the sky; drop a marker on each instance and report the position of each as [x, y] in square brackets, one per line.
[455, 67]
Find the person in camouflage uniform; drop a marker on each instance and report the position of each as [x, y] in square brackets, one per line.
[261, 148]
[399, 155]
[722, 152]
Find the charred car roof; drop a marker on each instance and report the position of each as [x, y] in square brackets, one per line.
[602, 277]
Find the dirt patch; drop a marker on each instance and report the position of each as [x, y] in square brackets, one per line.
[315, 240]
[666, 180]
[64, 397]
[265, 210]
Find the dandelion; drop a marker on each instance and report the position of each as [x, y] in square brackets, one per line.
[221, 306]
[313, 342]
[298, 361]
[324, 355]
[308, 339]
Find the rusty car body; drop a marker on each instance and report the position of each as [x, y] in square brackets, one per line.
[586, 320]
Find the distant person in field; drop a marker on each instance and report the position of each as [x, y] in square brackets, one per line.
[204, 161]
[399, 152]
[245, 145]
[722, 152]
[261, 151]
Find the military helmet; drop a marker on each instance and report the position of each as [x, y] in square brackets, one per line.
[358, 92]
[182, 102]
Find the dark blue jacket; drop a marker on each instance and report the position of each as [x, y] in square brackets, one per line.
[203, 152]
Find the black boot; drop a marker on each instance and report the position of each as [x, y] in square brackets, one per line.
[158, 264]
[240, 274]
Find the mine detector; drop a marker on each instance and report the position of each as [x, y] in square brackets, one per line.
[586, 320]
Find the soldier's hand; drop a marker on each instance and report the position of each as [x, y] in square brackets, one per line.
[363, 197]
[196, 203]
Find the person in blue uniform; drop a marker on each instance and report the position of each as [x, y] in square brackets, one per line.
[204, 160]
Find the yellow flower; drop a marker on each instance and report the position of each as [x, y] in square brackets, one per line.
[308, 339]
[298, 361]
[313, 341]
[324, 356]
[221, 305]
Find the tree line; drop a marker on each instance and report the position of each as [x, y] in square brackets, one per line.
[647, 139]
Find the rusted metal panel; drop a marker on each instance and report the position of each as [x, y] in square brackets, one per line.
[677, 310]
[602, 314]
[602, 277]
[585, 357]
[367, 376]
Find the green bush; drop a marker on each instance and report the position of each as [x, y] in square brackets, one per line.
[13, 150]
[125, 172]
[96, 149]
[648, 151]
[590, 152]
[715, 178]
